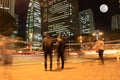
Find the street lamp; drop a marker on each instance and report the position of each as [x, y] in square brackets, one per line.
[31, 38]
[97, 34]
[80, 39]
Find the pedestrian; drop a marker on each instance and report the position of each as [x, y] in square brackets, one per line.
[47, 48]
[60, 52]
[99, 47]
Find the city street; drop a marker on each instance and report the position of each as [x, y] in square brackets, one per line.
[75, 69]
[84, 34]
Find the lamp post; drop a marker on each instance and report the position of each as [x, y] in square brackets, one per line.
[80, 39]
[31, 38]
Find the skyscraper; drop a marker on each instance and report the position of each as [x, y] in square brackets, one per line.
[87, 25]
[60, 17]
[33, 25]
[8, 6]
[115, 21]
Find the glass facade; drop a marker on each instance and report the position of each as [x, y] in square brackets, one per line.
[60, 17]
[115, 23]
[8, 6]
[33, 26]
[86, 22]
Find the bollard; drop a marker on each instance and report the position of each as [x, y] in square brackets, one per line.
[118, 56]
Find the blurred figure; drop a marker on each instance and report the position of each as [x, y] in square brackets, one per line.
[60, 52]
[99, 47]
[47, 48]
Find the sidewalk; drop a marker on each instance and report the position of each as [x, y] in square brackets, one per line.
[86, 70]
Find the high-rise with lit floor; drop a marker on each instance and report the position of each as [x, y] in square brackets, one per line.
[8, 6]
[115, 23]
[33, 24]
[87, 25]
[60, 17]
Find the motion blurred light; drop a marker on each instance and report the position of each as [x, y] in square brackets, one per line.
[103, 8]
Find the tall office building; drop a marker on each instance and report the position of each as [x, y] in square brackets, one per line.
[33, 25]
[115, 23]
[8, 6]
[87, 25]
[60, 17]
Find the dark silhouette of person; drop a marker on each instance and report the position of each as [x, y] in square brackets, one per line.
[60, 48]
[47, 48]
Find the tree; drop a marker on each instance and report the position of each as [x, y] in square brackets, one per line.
[7, 23]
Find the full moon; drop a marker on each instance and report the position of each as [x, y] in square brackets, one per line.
[103, 8]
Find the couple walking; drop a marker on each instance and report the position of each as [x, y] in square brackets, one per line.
[48, 48]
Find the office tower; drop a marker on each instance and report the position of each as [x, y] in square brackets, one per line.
[33, 25]
[87, 25]
[60, 17]
[115, 22]
[15, 32]
[8, 6]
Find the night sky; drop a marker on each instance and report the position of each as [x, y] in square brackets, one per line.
[102, 20]
[21, 10]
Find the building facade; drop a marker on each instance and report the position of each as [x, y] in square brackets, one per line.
[33, 24]
[86, 21]
[115, 23]
[60, 17]
[8, 6]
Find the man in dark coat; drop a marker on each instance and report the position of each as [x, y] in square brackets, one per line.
[47, 48]
[60, 49]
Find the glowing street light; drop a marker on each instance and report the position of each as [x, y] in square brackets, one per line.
[31, 38]
[97, 34]
[80, 39]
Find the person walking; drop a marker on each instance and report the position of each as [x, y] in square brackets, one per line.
[60, 52]
[99, 47]
[47, 48]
